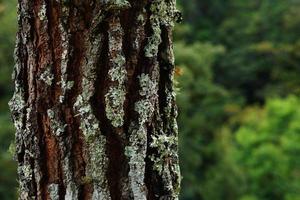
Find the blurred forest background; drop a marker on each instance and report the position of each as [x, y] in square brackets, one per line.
[238, 74]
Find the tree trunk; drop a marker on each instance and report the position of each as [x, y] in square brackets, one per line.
[94, 104]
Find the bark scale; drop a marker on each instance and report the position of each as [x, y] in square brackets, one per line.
[94, 103]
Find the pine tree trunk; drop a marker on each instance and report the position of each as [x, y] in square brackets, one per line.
[94, 104]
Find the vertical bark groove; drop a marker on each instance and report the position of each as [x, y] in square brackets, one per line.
[94, 103]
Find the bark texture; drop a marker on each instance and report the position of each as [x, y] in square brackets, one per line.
[94, 104]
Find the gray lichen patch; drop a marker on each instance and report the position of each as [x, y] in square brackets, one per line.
[53, 190]
[57, 125]
[136, 153]
[163, 13]
[114, 99]
[71, 190]
[17, 106]
[164, 145]
[27, 149]
[27, 144]
[69, 85]
[169, 109]
[164, 138]
[137, 149]
[116, 4]
[17, 103]
[140, 21]
[82, 106]
[66, 51]
[96, 152]
[47, 76]
[27, 171]
[148, 87]
[118, 71]
[97, 167]
[154, 41]
[89, 124]
[145, 109]
[42, 12]
[164, 141]
[165, 161]
[116, 94]
[97, 164]
[58, 128]
[145, 106]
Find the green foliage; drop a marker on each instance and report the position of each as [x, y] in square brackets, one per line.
[195, 118]
[234, 56]
[7, 38]
[267, 149]
[8, 172]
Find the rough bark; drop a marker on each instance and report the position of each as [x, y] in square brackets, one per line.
[94, 104]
